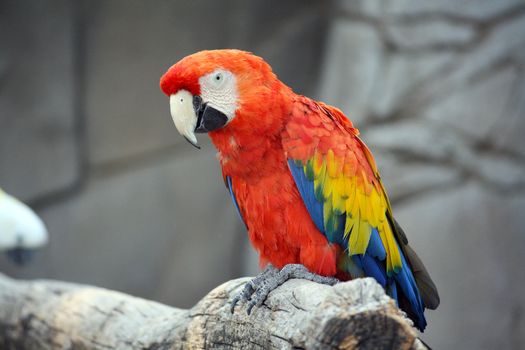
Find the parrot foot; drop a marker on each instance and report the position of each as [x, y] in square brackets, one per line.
[256, 291]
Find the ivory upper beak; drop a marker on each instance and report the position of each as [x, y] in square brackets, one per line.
[183, 115]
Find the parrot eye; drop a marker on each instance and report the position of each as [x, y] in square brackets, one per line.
[218, 79]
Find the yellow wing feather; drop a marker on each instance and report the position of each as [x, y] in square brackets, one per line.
[344, 190]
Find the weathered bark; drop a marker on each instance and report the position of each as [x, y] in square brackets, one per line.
[299, 314]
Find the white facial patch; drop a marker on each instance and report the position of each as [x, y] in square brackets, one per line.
[219, 90]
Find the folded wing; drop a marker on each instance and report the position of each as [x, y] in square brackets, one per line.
[340, 186]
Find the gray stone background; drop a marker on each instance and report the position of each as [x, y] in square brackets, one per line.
[436, 87]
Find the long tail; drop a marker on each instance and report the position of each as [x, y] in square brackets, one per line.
[427, 288]
[420, 292]
[411, 286]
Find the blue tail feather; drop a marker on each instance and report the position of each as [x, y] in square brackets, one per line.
[407, 283]
[373, 265]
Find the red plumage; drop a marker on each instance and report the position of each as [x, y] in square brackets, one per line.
[251, 153]
[278, 141]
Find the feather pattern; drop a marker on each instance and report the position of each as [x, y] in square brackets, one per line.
[340, 186]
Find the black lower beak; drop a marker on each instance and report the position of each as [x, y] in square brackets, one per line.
[208, 118]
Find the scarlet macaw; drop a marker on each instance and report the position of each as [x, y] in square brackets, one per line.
[303, 182]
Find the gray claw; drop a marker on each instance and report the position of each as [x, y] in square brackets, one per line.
[250, 287]
[251, 304]
[257, 290]
[244, 295]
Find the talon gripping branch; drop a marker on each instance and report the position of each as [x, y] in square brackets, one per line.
[305, 185]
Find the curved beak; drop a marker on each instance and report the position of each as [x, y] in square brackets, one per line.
[191, 116]
[184, 116]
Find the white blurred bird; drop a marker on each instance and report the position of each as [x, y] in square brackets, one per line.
[21, 230]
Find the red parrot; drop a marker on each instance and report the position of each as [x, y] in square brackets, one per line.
[303, 182]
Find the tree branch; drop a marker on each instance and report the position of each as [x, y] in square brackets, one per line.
[299, 314]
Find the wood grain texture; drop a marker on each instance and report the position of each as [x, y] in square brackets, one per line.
[298, 315]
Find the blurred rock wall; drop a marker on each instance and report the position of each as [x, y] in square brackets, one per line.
[437, 89]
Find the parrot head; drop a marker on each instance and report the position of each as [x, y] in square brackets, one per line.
[217, 90]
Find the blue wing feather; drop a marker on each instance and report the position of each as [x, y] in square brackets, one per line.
[372, 267]
[407, 283]
[232, 195]
[391, 289]
[372, 263]
[315, 208]
[375, 246]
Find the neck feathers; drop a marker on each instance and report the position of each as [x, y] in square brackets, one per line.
[251, 142]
